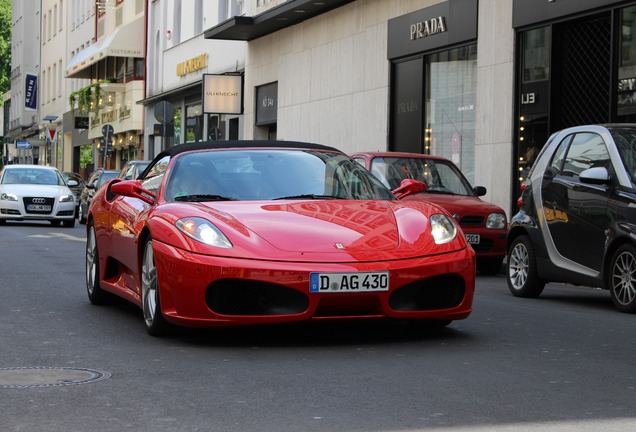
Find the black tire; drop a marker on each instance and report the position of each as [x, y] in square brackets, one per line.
[69, 223]
[96, 294]
[156, 324]
[489, 266]
[81, 217]
[622, 279]
[55, 223]
[521, 269]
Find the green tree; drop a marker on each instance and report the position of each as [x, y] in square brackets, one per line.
[5, 46]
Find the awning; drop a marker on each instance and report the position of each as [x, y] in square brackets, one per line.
[287, 14]
[125, 41]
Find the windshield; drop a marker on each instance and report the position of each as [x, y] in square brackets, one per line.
[440, 176]
[268, 174]
[32, 176]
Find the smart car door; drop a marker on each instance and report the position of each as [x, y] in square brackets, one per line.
[576, 212]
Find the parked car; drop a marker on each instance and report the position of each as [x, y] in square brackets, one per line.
[577, 215]
[255, 232]
[132, 169]
[34, 192]
[94, 182]
[76, 183]
[484, 224]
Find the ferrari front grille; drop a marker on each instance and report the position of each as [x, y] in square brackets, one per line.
[246, 297]
[438, 292]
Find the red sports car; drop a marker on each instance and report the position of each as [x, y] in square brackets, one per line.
[484, 224]
[254, 232]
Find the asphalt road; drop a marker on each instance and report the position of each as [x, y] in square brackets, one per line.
[563, 362]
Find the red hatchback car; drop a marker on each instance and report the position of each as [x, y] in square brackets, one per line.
[255, 232]
[484, 224]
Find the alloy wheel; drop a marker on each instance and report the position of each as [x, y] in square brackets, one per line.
[624, 278]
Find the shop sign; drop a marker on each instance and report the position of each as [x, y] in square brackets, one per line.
[428, 28]
[192, 65]
[267, 104]
[31, 92]
[222, 94]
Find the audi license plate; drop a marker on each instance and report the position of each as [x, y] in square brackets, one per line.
[39, 208]
[348, 282]
[472, 238]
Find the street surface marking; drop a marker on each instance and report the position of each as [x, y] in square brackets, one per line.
[59, 235]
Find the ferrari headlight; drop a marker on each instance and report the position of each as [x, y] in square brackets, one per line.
[496, 221]
[443, 228]
[66, 198]
[8, 197]
[203, 231]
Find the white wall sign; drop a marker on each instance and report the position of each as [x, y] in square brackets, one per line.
[222, 94]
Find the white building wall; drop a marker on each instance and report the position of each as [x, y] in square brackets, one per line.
[333, 82]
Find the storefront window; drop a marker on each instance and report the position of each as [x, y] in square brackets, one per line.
[194, 123]
[451, 85]
[626, 100]
[534, 97]
[178, 136]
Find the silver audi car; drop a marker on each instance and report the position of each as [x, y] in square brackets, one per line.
[34, 192]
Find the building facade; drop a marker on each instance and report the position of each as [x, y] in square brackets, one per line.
[26, 142]
[179, 60]
[483, 83]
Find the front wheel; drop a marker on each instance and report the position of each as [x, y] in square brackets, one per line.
[81, 217]
[622, 279]
[523, 279]
[96, 294]
[156, 324]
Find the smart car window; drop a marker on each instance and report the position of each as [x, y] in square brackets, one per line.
[559, 155]
[586, 151]
[625, 140]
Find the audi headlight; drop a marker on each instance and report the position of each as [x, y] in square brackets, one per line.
[203, 231]
[66, 198]
[443, 228]
[8, 197]
[496, 221]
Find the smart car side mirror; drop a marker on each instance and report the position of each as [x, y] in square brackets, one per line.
[409, 187]
[596, 175]
[132, 189]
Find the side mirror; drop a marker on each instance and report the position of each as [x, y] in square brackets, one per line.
[132, 189]
[480, 190]
[409, 187]
[72, 183]
[596, 175]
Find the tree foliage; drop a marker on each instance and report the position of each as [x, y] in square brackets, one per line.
[5, 45]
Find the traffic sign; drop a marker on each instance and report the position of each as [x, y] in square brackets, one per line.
[107, 130]
[23, 144]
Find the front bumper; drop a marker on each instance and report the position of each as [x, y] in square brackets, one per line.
[205, 291]
[17, 210]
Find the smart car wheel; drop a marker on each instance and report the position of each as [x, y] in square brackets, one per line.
[155, 323]
[622, 282]
[96, 294]
[523, 280]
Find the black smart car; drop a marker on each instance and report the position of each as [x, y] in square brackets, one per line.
[577, 215]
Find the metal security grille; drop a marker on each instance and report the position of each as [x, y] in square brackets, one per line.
[584, 51]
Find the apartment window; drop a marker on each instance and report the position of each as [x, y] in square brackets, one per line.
[44, 29]
[54, 80]
[61, 79]
[54, 20]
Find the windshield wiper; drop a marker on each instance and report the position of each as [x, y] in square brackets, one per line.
[203, 198]
[309, 196]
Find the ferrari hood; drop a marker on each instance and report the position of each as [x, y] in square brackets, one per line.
[322, 226]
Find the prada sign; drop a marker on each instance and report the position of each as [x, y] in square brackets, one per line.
[222, 94]
[450, 22]
[428, 28]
